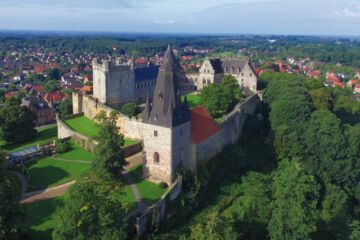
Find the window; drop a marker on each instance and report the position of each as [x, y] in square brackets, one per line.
[204, 81]
[156, 157]
[250, 74]
[155, 133]
[242, 74]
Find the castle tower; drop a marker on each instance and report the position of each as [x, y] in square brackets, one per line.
[167, 124]
[114, 83]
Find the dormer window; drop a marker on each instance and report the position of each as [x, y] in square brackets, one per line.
[161, 96]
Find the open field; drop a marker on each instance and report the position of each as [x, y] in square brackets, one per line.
[88, 127]
[44, 135]
[40, 218]
[150, 192]
[47, 172]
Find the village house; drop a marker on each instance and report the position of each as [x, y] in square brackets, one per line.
[45, 114]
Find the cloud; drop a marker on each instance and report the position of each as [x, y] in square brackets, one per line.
[348, 13]
[165, 22]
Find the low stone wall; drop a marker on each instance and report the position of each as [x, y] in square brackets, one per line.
[130, 127]
[64, 132]
[156, 213]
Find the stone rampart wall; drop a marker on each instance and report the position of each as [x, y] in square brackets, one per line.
[64, 132]
[156, 213]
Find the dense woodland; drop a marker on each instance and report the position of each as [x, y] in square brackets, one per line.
[293, 175]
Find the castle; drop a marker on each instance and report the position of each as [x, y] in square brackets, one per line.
[116, 84]
[171, 133]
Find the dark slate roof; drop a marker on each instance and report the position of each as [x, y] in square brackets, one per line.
[229, 64]
[37, 102]
[167, 109]
[216, 64]
[146, 74]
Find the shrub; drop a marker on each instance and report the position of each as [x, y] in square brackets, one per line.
[129, 109]
[163, 185]
[62, 147]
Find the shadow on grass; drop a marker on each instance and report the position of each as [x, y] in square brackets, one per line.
[39, 218]
[41, 177]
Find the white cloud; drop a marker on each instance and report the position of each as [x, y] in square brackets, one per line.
[165, 22]
[348, 13]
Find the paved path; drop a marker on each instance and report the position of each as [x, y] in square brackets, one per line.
[61, 189]
[45, 194]
[141, 205]
[67, 160]
[22, 179]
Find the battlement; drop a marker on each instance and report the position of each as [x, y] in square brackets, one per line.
[113, 66]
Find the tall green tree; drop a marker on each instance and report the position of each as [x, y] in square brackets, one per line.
[93, 209]
[11, 213]
[16, 122]
[109, 154]
[66, 107]
[294, 208]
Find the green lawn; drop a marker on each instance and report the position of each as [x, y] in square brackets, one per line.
[150, 192]
[130, 198]
[47, 172]
[40, 219]
[76, 153]
[83, 125]
[193, 100]
[88, 127]
[44, 135]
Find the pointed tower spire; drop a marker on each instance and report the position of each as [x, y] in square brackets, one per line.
[167, 109]
[185, 104]
[147, 109]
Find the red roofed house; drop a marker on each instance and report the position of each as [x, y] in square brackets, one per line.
[10, 94]
[314, 74]
[141, 63]
[87, 68]
[54, 98]
[74, 70]
[352, 82]
[357, 88]
[335, 84]
[87, 89]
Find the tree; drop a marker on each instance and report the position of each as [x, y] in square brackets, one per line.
[296, 197]
[130, 109]
[65, 107]
[215, 99]
[17, 122]
[232, 89]
[50, 86]
[109, 154]
[93, 209]
[321, 98]
[53, 74]
[11, 213]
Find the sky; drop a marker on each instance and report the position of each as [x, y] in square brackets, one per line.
[289, 17]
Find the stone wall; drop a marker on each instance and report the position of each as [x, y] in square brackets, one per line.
[231, 128]
[130, 127]
[65, 132]
[156, 213]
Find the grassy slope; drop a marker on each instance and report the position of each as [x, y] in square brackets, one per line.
[44, 135]
[48, 172]
[76, 153]
[150, 192]
[40, 217]
[88, 127]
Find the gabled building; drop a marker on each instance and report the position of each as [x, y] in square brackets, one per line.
[214, 70]
[45, 114]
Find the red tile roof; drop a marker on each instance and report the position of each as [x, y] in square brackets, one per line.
[55, 96]
[203, 125]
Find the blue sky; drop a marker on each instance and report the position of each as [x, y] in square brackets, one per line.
[310, 17]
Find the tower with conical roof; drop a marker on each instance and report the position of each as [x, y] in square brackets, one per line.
[167, 124]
